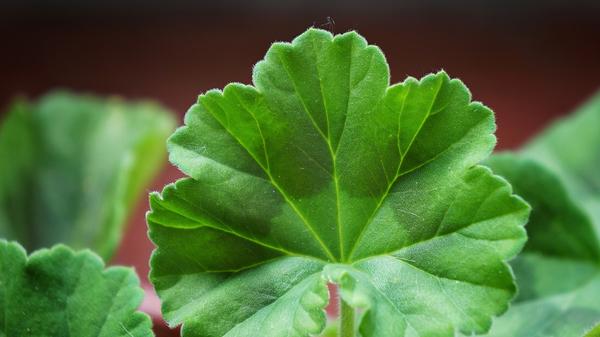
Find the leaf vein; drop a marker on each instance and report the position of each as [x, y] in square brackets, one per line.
[281, 191]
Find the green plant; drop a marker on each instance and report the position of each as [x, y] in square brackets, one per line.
[594, 332]
[558, 273]
[57, 292]
[322, 172]
[71, 168]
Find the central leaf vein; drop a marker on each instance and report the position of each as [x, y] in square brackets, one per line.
[326, 138]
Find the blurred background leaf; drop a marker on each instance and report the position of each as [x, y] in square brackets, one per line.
[595, 332]
[571, 148]
[558, 273]
[71, 168]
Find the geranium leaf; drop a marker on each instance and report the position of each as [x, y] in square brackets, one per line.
[59, 292]
[322, 171]
[594, 332]
[73, 166]
[558, 273]
[571, 149]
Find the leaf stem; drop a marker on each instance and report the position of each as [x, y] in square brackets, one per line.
[346, 319]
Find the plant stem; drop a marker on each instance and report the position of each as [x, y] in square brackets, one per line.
[346, 320]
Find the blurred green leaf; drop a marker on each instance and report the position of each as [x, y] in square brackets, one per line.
[571, 149]
[72, 167]
[331, 330]
[322, 171]
[558, 273]
[595, 332]
[59, 292]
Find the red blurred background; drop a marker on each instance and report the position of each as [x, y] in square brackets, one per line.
[529, 61]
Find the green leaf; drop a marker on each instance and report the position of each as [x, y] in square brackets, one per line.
[322, 171]
[72, 167]
[332, 329]
[595, 332]
[58, 292]
[558, 273]
[571, 149]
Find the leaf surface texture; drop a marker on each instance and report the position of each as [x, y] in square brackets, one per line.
[323, 171]
[60, 293]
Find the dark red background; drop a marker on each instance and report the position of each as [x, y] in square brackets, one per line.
[528, 61]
